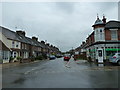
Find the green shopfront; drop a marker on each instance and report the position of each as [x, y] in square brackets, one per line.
[107, 52]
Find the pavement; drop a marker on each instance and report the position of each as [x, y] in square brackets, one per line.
[54, 74]
[13, 64]
[7, 65]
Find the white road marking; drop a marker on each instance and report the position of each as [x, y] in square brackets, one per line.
[31, 70]
[27, 72]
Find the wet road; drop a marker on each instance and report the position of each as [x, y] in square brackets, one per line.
[53, 74]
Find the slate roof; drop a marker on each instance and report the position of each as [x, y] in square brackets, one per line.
[9, 34]
[98, 21]
[112, 24]
[21, 38]
[14, 36]
[29, 41]
[42, 45]
[24, 39]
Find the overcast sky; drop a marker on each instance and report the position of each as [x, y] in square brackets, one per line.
[63, 24]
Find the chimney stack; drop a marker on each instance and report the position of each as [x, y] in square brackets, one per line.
[35, 38]
[43, 42]
[21, 32]
[47, 44]
[104, 19]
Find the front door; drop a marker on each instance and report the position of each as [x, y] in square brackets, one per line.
[100, 55]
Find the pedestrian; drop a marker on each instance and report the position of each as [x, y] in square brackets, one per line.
[66, 60]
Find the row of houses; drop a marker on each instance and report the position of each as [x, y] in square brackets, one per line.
[103, 42]
[17, 44]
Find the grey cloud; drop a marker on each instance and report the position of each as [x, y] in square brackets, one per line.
[64, 24]
[65, 7]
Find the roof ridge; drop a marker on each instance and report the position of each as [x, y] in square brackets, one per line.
[7, 29]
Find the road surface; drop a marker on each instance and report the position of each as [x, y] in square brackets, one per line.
[54, 74]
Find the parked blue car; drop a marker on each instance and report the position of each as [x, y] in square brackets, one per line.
[115, 58]
[51, 57]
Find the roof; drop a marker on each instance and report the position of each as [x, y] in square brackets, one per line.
[98, 22]
[112, 24]
[21, 38]
[29, 41]
[24, 39]
[42, 45]
[9, 34]
[35, 43]
[14, 36]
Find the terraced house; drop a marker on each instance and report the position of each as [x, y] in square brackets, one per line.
[12, 42]
[17, 45]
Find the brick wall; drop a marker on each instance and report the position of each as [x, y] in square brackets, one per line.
[107, 34]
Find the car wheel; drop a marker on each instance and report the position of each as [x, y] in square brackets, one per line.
[118, 62]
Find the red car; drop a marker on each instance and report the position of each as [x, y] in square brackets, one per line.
[66, 57]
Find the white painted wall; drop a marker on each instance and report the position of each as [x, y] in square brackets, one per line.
[15, 43]
[99, 36]
[8, 42]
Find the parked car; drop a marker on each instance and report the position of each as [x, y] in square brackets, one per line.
[67, 56]
[58, 55]
[51, 57]
[115, 58]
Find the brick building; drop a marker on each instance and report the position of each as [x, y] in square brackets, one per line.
[104, 41]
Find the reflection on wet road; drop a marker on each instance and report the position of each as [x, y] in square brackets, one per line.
[53, 74]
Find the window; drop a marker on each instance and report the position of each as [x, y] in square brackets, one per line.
[96, 31]
[25, 46]
[22, 46]
[5, 55]
[114, 35]
[13, 44]
[14, 54]
[101, 35]
[17, 44]
[100, 30]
